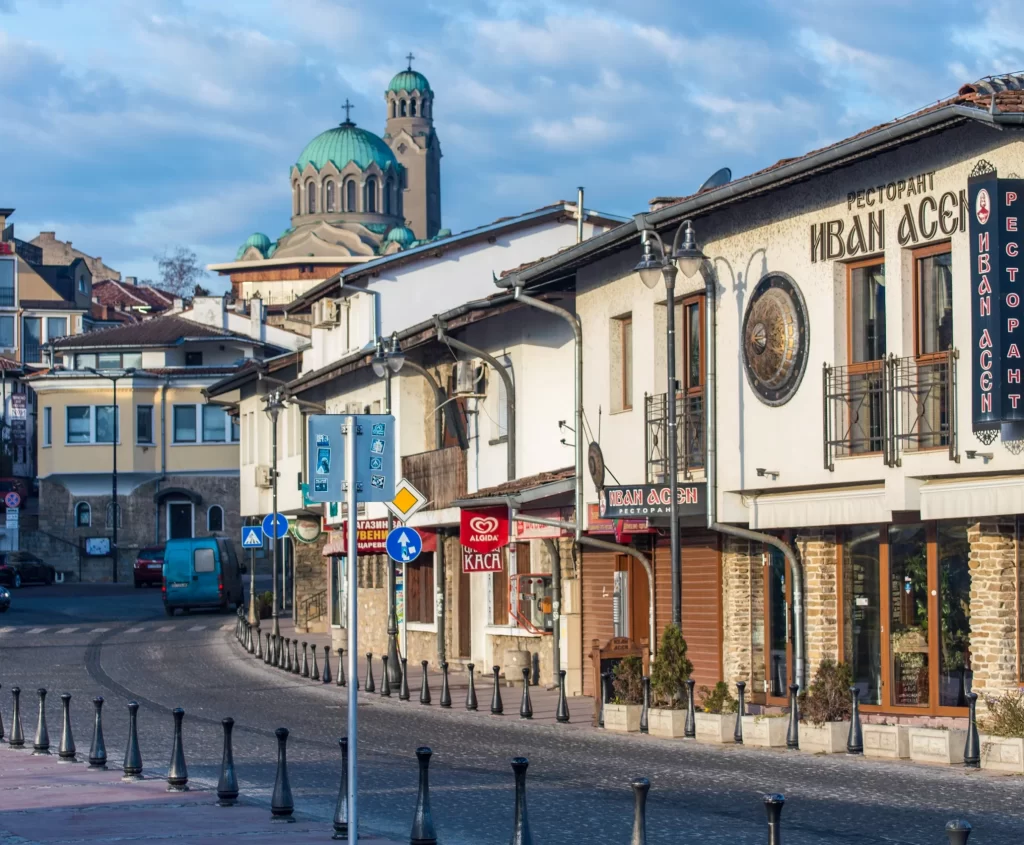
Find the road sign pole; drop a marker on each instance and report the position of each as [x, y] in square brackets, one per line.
[353, 625]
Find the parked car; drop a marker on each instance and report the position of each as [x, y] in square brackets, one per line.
[18, 568]
[201, 572]
[5, 599]
[149, 566]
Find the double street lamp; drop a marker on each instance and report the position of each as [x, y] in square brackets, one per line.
[659, 263]
[274, 403]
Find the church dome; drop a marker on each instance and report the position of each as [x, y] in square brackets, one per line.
[401, 235]
[258, 240]
[409, 80]
[346, 143]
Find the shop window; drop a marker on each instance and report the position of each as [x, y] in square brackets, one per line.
[955, 674]
[862, 613]
[518, 564]
[908, 616]
[866, 317]
[933, 306]
[419, 589]
[215, 518]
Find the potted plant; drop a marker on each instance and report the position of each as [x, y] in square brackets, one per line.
[825, 708]
[766, 730]
[1002, 737]
[944, 746]
[889, 742]
[669, 674]
[716, 720]
[265, 605]
[622, 713]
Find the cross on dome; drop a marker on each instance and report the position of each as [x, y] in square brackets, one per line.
[410, 57]
[348, 108]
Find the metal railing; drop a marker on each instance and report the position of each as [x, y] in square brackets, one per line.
[31, 353]
[689, 434]
[7, 297]
[924, 404]
[315, 607]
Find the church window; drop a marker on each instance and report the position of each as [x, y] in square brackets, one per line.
[311, 197]
[330, 196]
[296, 200]
[387, 196]
[394, 108]
[412, 108]
[401, 108]
[371, 195]
[350, 195]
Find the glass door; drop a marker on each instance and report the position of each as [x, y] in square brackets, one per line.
[862, 613]
[778, 625]
[954, 612]
[909, 646]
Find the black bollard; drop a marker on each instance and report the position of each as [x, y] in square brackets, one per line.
[855, 739]
[249, 645]
[526, 706]
[177, 772]
[17, 738]
[471, 689]
[275, 652]
[369, 686]
[957, 831]
[269, 652]
[314, 673]
[341, 668]
[741, 707]
[521, 826]
[446, 694]
[281, 804]
[690, 728]
[645, 705]
[641, 786]
[305, 660]
[341, 805]
[326, 676]
[773, 807]
[793, 732]
[66, 752]
[972, 747]
[497, 708]
[403, 687]
[562, 708]
[606, 695]
[424, 685]
[422, 820]
[385, 681]
[227, 786]
[98, 749]
[289, 666]
[42, 740]
[259, 642]
[295, 669]
[132, 766]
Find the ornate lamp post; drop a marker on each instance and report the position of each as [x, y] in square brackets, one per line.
[652, 267]
[275, 403]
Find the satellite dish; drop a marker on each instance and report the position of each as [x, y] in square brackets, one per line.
[716, 180]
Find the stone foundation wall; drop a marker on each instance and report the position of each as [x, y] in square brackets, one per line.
[741, 576]
[817, 551]
[993, 614]
[310, 573]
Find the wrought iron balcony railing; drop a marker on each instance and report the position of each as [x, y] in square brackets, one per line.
[689, 435]
[31, 353]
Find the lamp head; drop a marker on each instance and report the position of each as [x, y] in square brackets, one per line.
[689, 256]
[380, 357]
[649, 267]
[396, 357]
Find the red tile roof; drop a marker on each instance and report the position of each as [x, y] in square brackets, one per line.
[159, 331]
[120, 295]
[528, 483]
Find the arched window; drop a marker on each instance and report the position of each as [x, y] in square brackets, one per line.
[83, 515]
[215, 518]
[387, 196]
[401, 108]
[110, 515]
[330, 196]
[350, 195]
[311, 198]
[296, 200]
[412, 108]
[394, 107]
[370, 204]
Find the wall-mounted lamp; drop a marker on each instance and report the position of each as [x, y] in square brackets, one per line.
[772, 473]
[985, 456]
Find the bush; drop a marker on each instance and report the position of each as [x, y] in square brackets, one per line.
[718, 700]
[265, 605]
[1005, 715]
[628, 681]
[828, 699]
[671, 669]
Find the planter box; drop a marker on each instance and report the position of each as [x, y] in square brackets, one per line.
[829, 738]
[765, 732]
[931, 745]
[890, 742]
[622, 717]
[669, 724]
[715, 727]
[1002, 754]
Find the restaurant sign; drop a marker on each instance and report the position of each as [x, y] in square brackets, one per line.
[997, 332]
[647, 500]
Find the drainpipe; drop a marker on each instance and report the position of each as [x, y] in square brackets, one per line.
[579, 214]
[439, 398]
[510, 391]
[163, 453]
[439, 603]
[711, 470]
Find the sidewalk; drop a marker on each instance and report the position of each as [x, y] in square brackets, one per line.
[43, 800]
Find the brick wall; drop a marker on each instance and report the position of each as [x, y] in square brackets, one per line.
[817, 551]
[741, 575]
[993, 606]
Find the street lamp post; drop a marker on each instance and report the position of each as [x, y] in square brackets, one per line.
[274, 405]
[652, 267]
[114, 508]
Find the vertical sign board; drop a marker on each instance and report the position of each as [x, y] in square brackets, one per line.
[326, 458]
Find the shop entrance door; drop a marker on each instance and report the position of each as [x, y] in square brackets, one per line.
[778, 626]
[631, 600]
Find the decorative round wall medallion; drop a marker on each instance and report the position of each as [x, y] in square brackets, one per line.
[775, 339]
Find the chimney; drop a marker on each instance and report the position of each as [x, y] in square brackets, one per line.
[179, 305]
[256, 317]
[130, 280]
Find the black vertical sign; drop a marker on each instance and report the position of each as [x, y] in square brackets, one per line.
[1010, 290]
[986, 397]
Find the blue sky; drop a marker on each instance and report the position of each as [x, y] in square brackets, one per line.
[134, 126]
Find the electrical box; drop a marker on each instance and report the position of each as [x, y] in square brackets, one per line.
[263, 476]
[531, 605]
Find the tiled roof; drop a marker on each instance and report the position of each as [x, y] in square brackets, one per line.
[159, 331]
[9, 365]
[116, 294]
[528, 483]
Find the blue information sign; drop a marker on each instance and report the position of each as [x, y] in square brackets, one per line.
[252, 537]
[404, 544]
[268, 525]
[375, 458]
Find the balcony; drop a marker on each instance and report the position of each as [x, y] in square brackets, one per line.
[31, 353]
[689, 436]
[440, 475]
[890, 408]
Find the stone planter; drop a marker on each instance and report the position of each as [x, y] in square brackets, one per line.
[622, 717]
[765, 731]
[931, 745]
[829, 738]
[890, 742]
[1002, 754]
[715, 727]
[669, 724]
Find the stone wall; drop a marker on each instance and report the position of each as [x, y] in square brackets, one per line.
[993, 611]
[310, 573]
[741, 575]
[817, 551]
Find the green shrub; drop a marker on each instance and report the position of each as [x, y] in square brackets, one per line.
[627, 681]
[718, 700]
[671, 670]
[1005, 715]
[265, 605]
[828, 699]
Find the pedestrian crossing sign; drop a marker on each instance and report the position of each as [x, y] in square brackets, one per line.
[252, 537]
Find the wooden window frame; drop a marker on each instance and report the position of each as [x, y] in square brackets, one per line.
[626, 374]
[425, 589]
[699, 300]
[916, 256]
[860, 366]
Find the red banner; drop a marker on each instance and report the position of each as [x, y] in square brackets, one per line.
[371, 536]
[597, 524]
[484, 530]
[477, 562]
[535, 531]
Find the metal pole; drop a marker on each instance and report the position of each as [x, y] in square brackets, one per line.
[353, 626]
[394, 664]
[673, 448]
[252, 583]
[556, 608]
[113, 484]
[274, 410]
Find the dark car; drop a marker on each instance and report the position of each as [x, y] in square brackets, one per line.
[149, 566]
[5, 599]
[19, 568]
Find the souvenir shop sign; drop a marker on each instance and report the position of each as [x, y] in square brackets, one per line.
[647, 500]
[484, 530]
[997, 284]
[371, 536]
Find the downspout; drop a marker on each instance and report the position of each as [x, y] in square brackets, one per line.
[439, 602]
[439, 398]
[556, 608]
[510, 391]
[711, 471]
[163, 454]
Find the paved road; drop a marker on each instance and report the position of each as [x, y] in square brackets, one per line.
[116, 642]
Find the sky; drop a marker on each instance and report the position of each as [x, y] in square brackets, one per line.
[132, 127]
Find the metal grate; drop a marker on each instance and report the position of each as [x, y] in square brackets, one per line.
[924, 404]
[689, 433]
[856, 411]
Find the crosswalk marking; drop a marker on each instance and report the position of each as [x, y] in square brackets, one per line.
[165, 629]
[35, 630]
[134, 630]
[198, 628]
[6, 630]
[99, 630]
[67, 630]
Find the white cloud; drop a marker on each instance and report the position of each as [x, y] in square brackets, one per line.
[581, 131]
[745, 125]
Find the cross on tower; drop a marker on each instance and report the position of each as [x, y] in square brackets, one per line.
[410, 57]
[348, 108]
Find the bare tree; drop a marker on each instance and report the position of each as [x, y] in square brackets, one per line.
[180, 271]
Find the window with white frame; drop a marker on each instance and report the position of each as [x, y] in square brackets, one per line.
[203, 424]
[83, 515]
[144, 424]
[47, 426]
[7, 331]
[215, 518]
[90, 424]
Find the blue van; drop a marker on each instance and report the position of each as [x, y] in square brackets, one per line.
[202, 572]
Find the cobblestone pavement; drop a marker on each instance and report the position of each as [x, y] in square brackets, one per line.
[578, 778]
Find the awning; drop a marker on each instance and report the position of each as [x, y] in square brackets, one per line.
[965, 498]
[811, 508]
[177, 493]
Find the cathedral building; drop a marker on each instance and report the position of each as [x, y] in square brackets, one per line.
[355, 196]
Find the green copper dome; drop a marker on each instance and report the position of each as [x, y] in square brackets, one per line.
[346, 143]
[258, 240]
[409, 80]
[400, 235]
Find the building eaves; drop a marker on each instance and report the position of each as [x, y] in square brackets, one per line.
[249, 371]
[170, 330]
[522, 491]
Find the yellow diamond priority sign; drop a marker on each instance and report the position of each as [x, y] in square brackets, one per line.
[408, 500]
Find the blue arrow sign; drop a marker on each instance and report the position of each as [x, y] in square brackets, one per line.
[268, 525]
[252, 538]
[404, 544]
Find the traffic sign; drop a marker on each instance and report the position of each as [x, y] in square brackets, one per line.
[12, 500]
[404, 544]
[408, 500]
[268, 525]
[252, 538]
